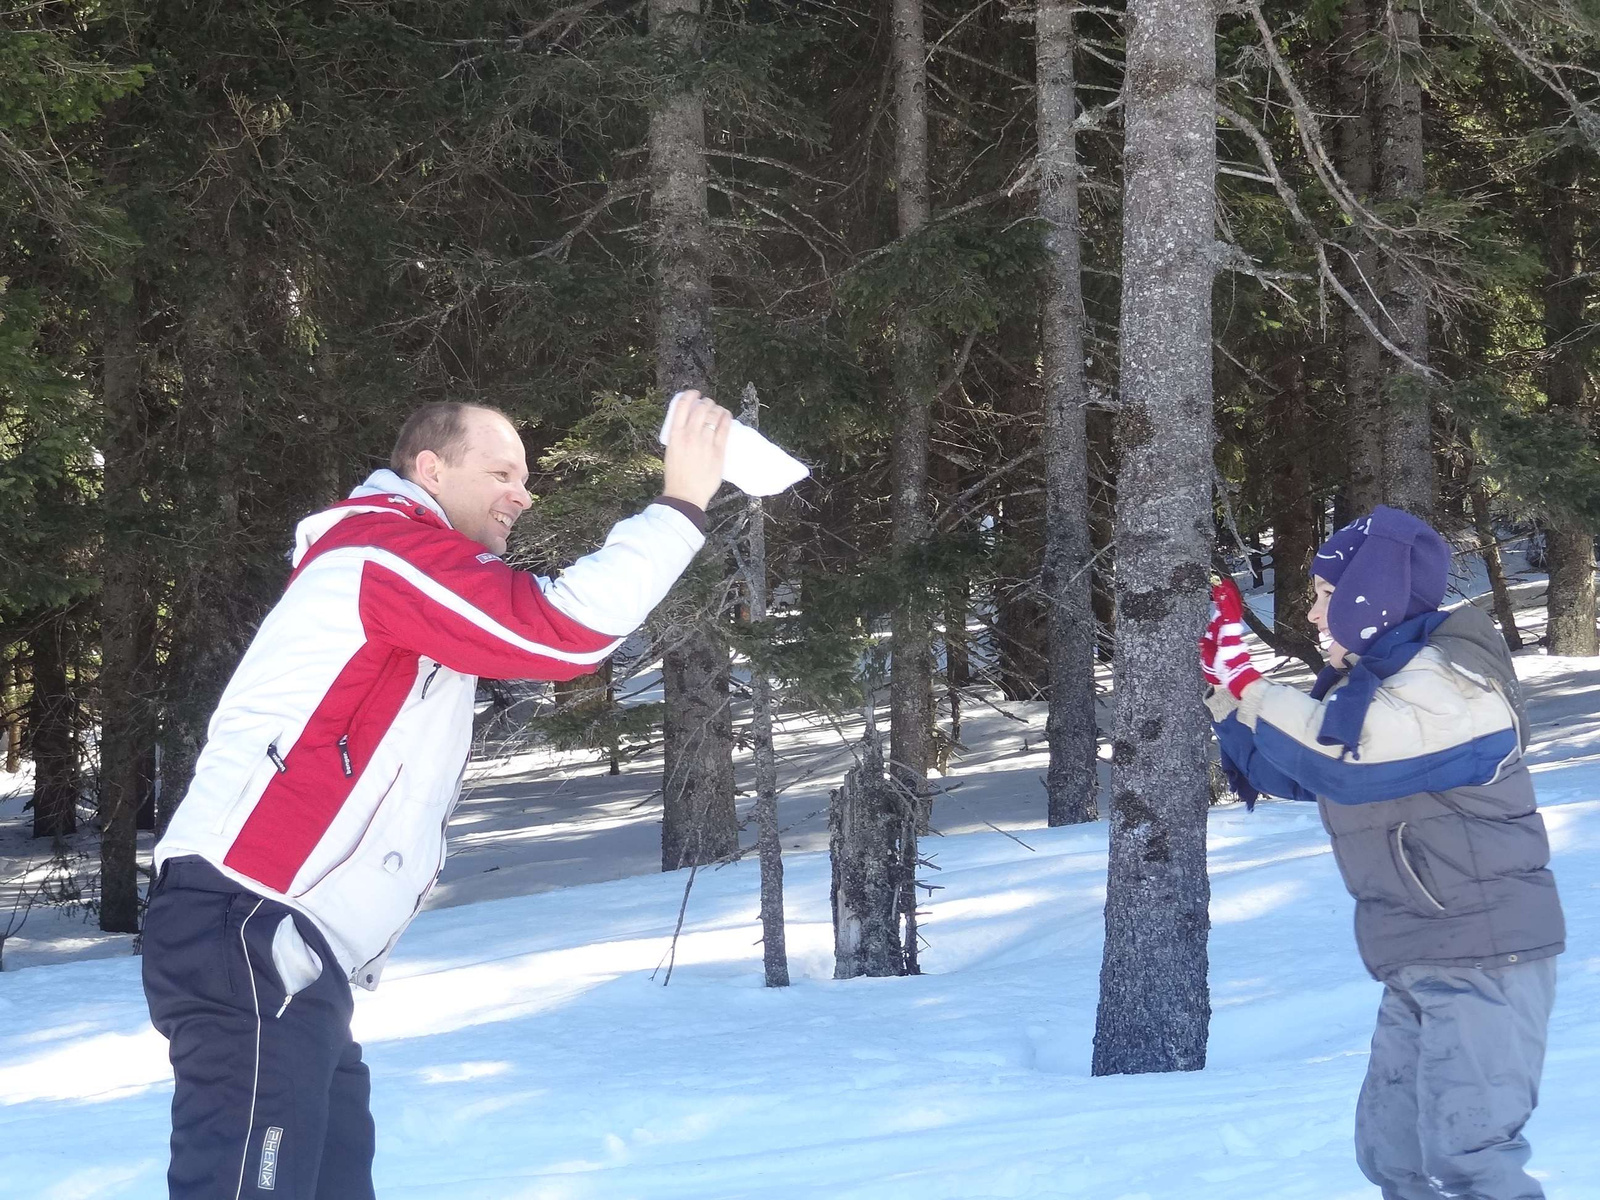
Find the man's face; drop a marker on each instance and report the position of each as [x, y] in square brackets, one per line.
[1331, 650]
[483, 491]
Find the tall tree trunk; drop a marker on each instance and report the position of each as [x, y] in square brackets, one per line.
[957, 656]
[1072, 781]
[1022, 614]
[1294, 510]
[14, 678]
[1154, 1000]
[1570, 601]
[146, 782]
[699, 824]
[1408, 439]
[1364, 421]
[1569, 540]
[1489, 548]
[911, 668]
[955, 600]
[608, 698]
[52, 724]
[124, 702]
[774, 951]
[1103, 469]
[213, 610]
[1021, 629]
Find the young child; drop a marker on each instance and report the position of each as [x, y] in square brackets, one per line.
[1411, 744]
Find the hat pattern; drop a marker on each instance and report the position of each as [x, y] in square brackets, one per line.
[1386, 567]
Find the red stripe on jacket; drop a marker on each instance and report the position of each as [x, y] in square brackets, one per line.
[402, 622]
[396, 611]
[302, 800]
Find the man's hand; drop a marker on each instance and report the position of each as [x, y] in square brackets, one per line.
[1224, 658]
[696, 445]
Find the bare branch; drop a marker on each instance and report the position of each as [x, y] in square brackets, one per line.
[1310, 131]
[1318, 247]
[1544, 71]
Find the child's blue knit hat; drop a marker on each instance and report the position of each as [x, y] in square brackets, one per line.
[1386, 567]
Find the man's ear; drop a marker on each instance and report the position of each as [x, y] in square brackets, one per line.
[425, 471]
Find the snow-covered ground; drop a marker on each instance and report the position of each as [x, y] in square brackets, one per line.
[521, 1048]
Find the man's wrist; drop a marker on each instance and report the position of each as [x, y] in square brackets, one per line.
[695, 512]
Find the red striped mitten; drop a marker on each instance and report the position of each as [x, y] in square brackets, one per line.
[1224, 658]
[1208, 648]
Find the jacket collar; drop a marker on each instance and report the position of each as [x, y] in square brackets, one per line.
[1342, 722]
[384, 491]
[388, 483]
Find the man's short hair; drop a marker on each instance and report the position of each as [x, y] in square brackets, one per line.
[440, 427]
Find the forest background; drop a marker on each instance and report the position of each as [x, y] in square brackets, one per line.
[1065, 304]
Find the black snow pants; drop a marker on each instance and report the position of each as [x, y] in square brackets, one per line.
[270, 1095]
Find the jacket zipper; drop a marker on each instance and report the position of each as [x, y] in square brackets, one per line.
[428, 682]
[360, 709]
[277, 759]
[1405, 861]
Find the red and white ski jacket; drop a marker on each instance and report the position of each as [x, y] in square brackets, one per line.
[336, 753]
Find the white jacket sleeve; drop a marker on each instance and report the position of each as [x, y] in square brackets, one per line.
[614, 589]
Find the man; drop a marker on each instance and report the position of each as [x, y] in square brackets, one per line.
[314, 828]
[1411, 744]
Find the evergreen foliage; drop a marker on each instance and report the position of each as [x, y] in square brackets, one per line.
[318, 215]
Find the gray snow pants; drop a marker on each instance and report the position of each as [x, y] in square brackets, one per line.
[1453, 1078]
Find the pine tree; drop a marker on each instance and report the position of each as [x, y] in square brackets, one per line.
[698, 824]
[1154, 1000]
[911, 669]
[1569, 350]
[1408, 440]
[1072, 783]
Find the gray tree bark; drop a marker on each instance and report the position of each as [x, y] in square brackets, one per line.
[774, 951]
[911, 667]
[13, 677]
[1294, 512]
[1154, 1000]
[1408, 469]
[52, 722]
[1103, 469]
[1570, 600]
[1489, 548]
[1021, 611]
[957, 654]
[1568, 337]
[1360, 367]
[699, 824]
[872, 837]
[1072, 781]
[125, 703]
[146, 783]
[213, 610]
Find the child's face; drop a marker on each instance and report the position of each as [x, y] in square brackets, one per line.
[1331, 650]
